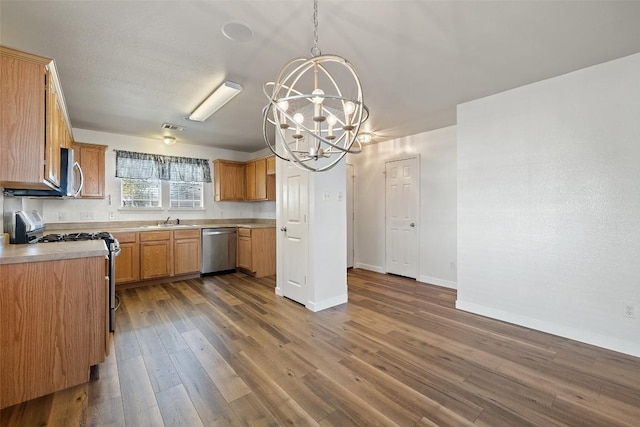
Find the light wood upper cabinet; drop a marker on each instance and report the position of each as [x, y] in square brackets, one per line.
[186, 251]
[33, 121]
[91, 159]
[260, 185]
[228, 180]
[271, 165]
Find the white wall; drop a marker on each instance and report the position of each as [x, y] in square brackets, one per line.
[72, 210]
[549, 205]
[437, 240]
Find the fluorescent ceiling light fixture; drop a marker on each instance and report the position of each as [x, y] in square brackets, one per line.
[215, 101]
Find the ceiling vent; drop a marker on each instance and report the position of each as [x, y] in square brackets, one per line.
[169, 126]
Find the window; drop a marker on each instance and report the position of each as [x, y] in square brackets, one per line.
[185, 195]
[140, 193]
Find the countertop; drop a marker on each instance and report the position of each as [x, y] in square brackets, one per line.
[17, 254]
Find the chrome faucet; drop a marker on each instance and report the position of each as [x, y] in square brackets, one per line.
[166, 221]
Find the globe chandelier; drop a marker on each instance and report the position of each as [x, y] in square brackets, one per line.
[316, 119]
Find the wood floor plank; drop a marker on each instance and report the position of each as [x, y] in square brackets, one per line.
[224, 350]
[211, 406]
[177, 409]
[221, 373]
[138, 400]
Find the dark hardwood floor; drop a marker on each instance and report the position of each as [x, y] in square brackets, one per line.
[225, 350]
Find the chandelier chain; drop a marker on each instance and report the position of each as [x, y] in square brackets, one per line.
[315, 50]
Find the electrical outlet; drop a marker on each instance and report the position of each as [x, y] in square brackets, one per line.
[326, 196]
[86, 215]
[62, 216]
[452, 265]
[630, 310]
[112, 215]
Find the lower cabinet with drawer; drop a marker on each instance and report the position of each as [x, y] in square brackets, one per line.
[128, 262]
[186, 251]
[257, 251]
[155, 254]
[147, 255]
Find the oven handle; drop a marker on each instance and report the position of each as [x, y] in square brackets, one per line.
[115, 248]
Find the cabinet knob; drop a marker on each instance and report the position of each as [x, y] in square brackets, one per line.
[283, 229]
[413, 224]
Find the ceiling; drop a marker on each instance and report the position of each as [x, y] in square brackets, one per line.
[128, 66]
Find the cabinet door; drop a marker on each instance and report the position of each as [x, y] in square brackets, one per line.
[53, 140]
[22, 118]
[271, 165]
[261, 179]
[244, 252]
[229, 180]
[186, 256]
[128, 263]
[250, 174]
[91, 160]
[155, 259]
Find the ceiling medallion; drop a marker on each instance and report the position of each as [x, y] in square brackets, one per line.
[316, 119]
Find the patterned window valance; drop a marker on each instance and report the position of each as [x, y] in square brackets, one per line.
[166, 168]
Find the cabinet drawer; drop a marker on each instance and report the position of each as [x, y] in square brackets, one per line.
[186, 234]
[244, 232]
[126, 237]
[150, 236]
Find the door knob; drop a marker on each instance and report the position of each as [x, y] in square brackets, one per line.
[283, 229]
[413, 224]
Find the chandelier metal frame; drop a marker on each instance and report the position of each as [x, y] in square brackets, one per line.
[336, 120]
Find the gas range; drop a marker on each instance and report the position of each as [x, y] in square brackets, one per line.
[75, 237]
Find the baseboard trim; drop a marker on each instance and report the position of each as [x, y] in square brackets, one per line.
[374, 268]
[622, 346]
[438, 282]
[327, 303]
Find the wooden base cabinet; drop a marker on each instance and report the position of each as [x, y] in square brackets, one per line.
[257, 251]
[52, 326]
[128, 262]
[186, 251]
[155, 254]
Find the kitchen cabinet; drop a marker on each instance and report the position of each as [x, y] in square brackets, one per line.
[271, 165]
[256, 179]
[186, 251]
[228, 180]
[53, 316]
[91, 159]
[257, 251]
[128, 262]
[34, 124]
[155, 254]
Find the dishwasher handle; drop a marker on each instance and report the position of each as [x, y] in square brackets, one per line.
[217, 232]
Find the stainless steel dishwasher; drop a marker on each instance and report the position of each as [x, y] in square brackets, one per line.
[218, 249]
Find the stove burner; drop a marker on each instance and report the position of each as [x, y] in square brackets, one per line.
[75, 237]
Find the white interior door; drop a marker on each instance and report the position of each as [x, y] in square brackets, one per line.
[350, 210]
[295, 229]
[401, 201]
